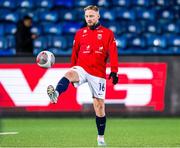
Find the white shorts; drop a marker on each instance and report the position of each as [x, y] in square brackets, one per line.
[97, 85]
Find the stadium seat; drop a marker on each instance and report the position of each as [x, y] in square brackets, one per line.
[3, 43]
[7, 52]
[71, 28]
[122, 3]
[103, 3]
[116, 27]
[58, 42]
[10, 29]
[171, 27]
[121, 42]
[174, 41]
[69, 39]
[48, 16]
[9, 4]
[11, 42]
[36, 29]
[142, 3]
[50, 28]
[40, 43]
[63, 53]
[48, 4]
[125, 14]
[83, 3]
[8, 16]
[152, 27]
[146, 14]
[134, 28]
[23, 12]
[29, 4]
[162, 3]
[2, 30]
[166, 14]
[137, 43]
[107, 14]
[156, 41]
[62, 3]
[68, 15]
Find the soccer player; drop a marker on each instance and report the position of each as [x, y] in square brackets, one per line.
[92, 46]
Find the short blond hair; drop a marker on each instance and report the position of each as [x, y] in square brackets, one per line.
[91, 7]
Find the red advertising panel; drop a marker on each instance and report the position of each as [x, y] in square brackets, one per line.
[24, 85]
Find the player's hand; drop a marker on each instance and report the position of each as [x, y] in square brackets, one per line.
[114, 77]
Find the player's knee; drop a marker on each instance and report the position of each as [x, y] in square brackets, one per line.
[100, 110]
[70, 75]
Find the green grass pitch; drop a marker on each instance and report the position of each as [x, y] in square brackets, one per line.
[81, 132]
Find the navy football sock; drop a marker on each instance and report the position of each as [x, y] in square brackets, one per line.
[101, 124]
[62, 85]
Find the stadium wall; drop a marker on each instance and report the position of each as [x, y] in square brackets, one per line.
[148, 86]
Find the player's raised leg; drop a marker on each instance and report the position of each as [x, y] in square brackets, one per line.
[70, 76]
[99, 108]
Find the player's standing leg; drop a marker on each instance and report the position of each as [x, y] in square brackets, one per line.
[99, 108]
[70, 76]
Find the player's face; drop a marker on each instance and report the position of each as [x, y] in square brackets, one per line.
[91, 17]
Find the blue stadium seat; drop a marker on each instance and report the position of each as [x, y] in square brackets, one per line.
[48, 4]
[103, 3]
[125, 14]
[58, 42]
[121, 42]
[2, 30]
[29, 4]
[49, 28]
[156, 41]
[171, 27]
[40, 43]
[83, 3]
[49, 16]
[166, 14]
[36, 29]
[8, 16]
[174, 41]
[11, 43]
[8, 52]
[116, 27]
[142, 3]
[122, 3]
[137, 42]
[146, 14]
[63, 53]
[68, 15]
[10, 29]
[3, 43]
[9, 4]
[23, 12]
[62, 3]
[71, 28]
[152, 27]
[134, 28]
[69, 39]
[162, 3]
[107, 14]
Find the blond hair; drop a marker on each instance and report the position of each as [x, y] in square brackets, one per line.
[92, 7]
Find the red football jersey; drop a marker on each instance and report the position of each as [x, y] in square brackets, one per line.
[91, 49]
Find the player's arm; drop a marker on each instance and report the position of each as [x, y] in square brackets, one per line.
[113, 54]
[75, 49]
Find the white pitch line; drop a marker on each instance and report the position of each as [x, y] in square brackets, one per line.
[8, 133]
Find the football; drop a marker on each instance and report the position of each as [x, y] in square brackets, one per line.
[45, 59]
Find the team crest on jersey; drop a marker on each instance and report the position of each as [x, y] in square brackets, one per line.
[84, 31]
[99, 36]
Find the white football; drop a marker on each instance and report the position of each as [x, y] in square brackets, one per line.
[45, 59]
